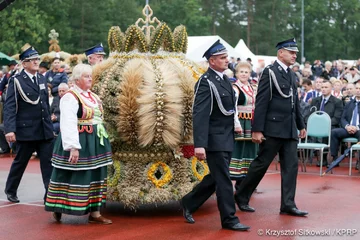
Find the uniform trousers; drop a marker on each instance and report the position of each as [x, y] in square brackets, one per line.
[218, 180]
[287, 149]
[44, 149]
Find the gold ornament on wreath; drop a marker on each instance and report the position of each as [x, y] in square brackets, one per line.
[159, 174]
[199, 168]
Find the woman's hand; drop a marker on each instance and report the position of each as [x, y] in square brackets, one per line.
[74, 156]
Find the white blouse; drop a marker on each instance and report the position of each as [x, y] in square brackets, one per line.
[69, 107]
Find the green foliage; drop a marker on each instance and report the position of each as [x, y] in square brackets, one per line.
[331, 26]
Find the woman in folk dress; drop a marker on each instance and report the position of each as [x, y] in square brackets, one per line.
[82, 151]
[244, 150]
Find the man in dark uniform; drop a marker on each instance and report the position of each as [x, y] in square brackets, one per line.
[95, 54]
[277, 120]
[213, 124]
[27, 121]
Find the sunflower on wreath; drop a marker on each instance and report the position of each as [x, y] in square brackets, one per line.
[159, 173]
[199, 169]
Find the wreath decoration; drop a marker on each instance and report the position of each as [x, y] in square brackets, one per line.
[135, 38]
[199, 168]
[165, 174]
[115, 176]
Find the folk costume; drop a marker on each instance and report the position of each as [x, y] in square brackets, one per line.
[80, 188]
[244, 149]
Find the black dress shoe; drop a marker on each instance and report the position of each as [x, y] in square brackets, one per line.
[57, 216]
[12, 198]
[246, 208]
[294, 212]
[237, 227]
[187, 214]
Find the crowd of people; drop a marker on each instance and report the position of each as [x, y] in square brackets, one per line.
[56, 115]
[52, 111]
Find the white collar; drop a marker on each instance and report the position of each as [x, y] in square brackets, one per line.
[327, 98]
[282, 65]
[79, 90]
[30, 75]
[218, 73]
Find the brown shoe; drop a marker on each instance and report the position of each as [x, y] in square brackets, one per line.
[57, 216]
[99, 220]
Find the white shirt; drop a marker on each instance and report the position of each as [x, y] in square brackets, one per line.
[282, 65]
[69, 107]
[30, 75]
[219, 73]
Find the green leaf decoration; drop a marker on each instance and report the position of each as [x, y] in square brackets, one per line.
[116, 39]
[135, 39]
[162, 36]
[180, 39]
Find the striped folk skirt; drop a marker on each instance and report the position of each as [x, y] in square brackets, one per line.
[78, 189]
[244, 153]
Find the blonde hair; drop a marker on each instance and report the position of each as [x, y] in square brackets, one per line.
[79, 70]
[328, 63]
[243, 64]
[334, 80]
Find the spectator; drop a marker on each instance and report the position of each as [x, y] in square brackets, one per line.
[43, 68]
[5, 80]
[308, 90]
[327, 73]
[307, 73]
[352, 75]
[55, 76]
[339, 70]
[232, 64]
[296, 69]
[55, 107]
[71, 82]
[337, 86]
[317, 68]
[349, 124]
[317, 90]
[329, 104]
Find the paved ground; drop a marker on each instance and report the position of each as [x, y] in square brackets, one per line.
[332, 200]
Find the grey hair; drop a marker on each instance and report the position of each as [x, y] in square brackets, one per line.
[63, 86]
[79, 70]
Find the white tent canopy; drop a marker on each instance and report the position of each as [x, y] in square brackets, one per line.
[244, 51]
[197, 46]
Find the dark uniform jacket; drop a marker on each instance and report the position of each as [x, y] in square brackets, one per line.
[347, 114]
[333, 107]
[212, 129]
[29, 122]
[276, 116]
[55, 78]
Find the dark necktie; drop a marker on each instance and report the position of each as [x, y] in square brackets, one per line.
[322, 106]
[34, 80]
[355, 114]
[289, 73]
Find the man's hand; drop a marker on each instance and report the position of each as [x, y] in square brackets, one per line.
[302, 133]
[351, 129]
[238, 130]
[257, 137]
[200, 153]
[10, 137]
[53, 117]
